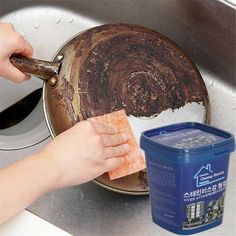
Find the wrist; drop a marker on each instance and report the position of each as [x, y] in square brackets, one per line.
[25, 181]
[49, 170]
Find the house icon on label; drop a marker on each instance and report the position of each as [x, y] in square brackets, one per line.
[205, 176]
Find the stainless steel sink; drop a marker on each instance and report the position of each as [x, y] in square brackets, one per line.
[204, 29]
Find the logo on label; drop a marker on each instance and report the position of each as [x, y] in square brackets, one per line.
[206, 175]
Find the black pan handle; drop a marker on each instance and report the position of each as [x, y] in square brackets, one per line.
[45, 70]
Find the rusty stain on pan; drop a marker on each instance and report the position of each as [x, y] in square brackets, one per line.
[121, 66]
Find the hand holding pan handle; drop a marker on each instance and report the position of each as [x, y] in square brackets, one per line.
[45, 70]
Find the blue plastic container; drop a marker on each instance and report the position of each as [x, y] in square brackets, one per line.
[187, 166]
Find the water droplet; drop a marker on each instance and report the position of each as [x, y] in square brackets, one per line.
[210, 83]
[58, 20]
[36, 26]
[14, 15]
[70, 20]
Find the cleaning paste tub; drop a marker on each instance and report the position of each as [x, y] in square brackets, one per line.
[187, 166]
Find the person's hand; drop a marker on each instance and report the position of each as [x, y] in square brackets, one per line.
[85, 152]
[12, 42]
[78, 155]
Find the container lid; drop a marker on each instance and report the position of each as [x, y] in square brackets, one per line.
[187, 137]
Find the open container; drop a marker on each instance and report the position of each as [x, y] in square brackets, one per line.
[187, 166]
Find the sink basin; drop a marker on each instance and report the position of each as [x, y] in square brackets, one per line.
[204, 30]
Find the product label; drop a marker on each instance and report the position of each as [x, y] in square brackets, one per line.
[188, 196]
[203, 196]
[163, 185]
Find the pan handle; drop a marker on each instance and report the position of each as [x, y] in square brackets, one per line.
[45, 70]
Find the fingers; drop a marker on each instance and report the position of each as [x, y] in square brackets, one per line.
[12, 42]
[23, 47]
[16, 43]
[113, 163]
[104, 129]
[7, 26]
[117, 151]
[113, 140]
[9, 71]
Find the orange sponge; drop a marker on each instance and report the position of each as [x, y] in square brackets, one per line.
[134, 160]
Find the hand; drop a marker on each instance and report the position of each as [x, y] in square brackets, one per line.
[76, 156]
[12, 42]
[85, 152]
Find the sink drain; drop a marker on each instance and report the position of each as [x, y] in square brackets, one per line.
[22, 122]
[20, 110]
